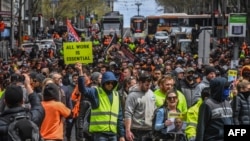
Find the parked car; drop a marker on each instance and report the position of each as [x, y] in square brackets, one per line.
[47, 43]
[29, 45]
[161, 36]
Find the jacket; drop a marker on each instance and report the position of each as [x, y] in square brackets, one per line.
[241, 109]
[160, 98]
[192, 119]
[197, 92]
[188, 91]
[92, 95]
[160, 119]
[214, 113]
[36, 113]
[140, 107]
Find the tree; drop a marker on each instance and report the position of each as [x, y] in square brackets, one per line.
[186, 6]
[68, 9]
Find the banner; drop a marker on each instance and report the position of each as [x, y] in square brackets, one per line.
[78, 52]
[129, 54]
[232, 75]
[72, 35]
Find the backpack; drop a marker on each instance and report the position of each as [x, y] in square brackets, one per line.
[83, 119]
[22, 128]
[155, 132]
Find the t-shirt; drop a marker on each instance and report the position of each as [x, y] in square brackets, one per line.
[52, 126]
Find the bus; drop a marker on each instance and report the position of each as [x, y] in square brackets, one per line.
[165, 22]
[112, 23]
[138, 26]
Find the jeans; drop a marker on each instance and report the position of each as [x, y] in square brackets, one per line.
[103, 137]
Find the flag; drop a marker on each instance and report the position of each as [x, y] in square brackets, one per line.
[114, 39]
[129, 54]
[72, 35]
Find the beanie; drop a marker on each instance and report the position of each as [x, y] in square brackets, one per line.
[13, 95]
[51, 92]
[209, 69]
[40, 77]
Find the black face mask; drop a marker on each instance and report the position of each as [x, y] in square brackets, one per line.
[190, 78]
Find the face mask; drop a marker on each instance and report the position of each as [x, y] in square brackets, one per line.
[190, 78]
[225, 94]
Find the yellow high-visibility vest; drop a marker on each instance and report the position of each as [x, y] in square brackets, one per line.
[104, 118]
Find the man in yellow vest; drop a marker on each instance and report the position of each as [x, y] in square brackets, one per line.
[106, 120]
[165, 84]
[192, 115]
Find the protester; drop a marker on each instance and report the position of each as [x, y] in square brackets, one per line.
[215, 112]
[241, 103]
[209, 74]
[188, 85]
[164, 122]
[139, 109]
[14, 100]
[96, 78]
[72, 102]
[192, 115]
[100, 98]
[53, 126]
[166, 83]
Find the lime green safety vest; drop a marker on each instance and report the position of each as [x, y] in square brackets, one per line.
[131, 46]
[160, 98]
[96, 42]
[61, 52]
[192, 119]
[104, 118]
[1, 93]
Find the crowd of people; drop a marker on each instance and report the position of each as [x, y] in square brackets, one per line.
[117, 96]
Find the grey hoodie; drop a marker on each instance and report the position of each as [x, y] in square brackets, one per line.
[139, 108]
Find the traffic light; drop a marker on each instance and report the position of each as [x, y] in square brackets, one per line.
[52, 21]
[2, 26]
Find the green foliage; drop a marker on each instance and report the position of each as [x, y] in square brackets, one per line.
[67, 9]
[183, 6]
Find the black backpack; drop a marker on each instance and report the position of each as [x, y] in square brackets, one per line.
[22, 128]
[156, 133]
[83, 119]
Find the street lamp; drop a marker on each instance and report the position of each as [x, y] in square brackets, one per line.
[138, 7]
[53, 4]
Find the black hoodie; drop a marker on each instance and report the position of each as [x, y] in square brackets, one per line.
[214, 113]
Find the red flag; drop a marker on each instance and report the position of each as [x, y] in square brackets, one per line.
[72, 35]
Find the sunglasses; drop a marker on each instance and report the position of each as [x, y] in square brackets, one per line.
[110, 82]
[172, 97]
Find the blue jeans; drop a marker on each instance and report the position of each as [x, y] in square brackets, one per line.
[103, 137]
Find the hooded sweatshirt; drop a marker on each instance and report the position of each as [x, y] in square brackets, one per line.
[92, 95]
[140, 107]
[214, 113]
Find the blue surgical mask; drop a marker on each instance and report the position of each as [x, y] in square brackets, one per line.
[225, 94]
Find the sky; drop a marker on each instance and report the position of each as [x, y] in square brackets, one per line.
[129, 8]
